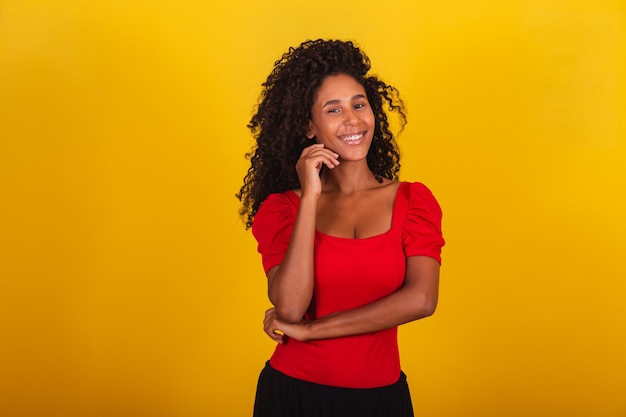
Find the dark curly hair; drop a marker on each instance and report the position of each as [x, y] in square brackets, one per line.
[281, 119]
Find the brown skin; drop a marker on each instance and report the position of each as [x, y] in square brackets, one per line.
[346, 201]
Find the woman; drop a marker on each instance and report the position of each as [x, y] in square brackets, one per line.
[350, 252]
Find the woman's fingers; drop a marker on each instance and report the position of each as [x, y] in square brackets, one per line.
[310, 163]
[319, 153]
[270, 326]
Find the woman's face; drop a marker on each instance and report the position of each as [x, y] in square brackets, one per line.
[341, 118]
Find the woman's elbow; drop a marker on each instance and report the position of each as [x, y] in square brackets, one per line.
[424, 307]
[290, 315]
[429, 308]
[289, 312]
[290, 305]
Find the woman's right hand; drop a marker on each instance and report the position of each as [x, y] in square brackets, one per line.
[279, 330]
[309, 165]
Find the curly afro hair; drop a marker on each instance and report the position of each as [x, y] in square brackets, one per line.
[281, 119]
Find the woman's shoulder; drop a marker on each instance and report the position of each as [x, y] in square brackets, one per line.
[418, 197]
[281, 201]
[416, 189]
[277, 210]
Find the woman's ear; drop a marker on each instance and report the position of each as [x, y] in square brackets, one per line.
[310, 132]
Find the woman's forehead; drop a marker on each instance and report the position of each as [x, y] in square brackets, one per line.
[339, 86]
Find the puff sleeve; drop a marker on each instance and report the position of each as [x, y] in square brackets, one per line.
[272, 227]
[421, 234]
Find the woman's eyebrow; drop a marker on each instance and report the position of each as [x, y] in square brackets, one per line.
[336, 101]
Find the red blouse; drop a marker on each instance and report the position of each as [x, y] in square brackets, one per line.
[349, 273]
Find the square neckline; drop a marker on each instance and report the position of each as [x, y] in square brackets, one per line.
[296, 199]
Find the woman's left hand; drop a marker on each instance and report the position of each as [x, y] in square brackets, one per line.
[279, 330]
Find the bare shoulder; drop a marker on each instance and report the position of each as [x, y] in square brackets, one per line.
[387, 186]
[382, 194]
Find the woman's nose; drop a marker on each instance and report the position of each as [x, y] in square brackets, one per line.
[350, 118]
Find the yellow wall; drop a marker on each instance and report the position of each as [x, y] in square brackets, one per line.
[129, 287]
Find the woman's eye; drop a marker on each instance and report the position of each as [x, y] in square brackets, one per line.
[333, 111]
[359, 106]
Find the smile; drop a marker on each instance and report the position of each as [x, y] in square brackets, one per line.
[352, 138]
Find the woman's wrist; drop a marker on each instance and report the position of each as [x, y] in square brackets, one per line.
[309, 198]
[308, 330]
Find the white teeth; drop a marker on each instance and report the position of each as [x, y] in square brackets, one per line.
[349, 138]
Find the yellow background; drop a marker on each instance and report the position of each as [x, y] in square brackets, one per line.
[129, 286]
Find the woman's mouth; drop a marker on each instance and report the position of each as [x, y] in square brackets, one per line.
[352, 138]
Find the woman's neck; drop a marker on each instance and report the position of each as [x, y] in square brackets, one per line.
[348, 178]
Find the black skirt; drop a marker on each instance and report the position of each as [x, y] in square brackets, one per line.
[279, 395]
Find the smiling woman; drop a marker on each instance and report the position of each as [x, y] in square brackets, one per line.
[350, 253]
[342, 119]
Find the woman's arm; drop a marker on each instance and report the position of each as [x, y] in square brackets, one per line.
[415, 300]
[290, 284]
